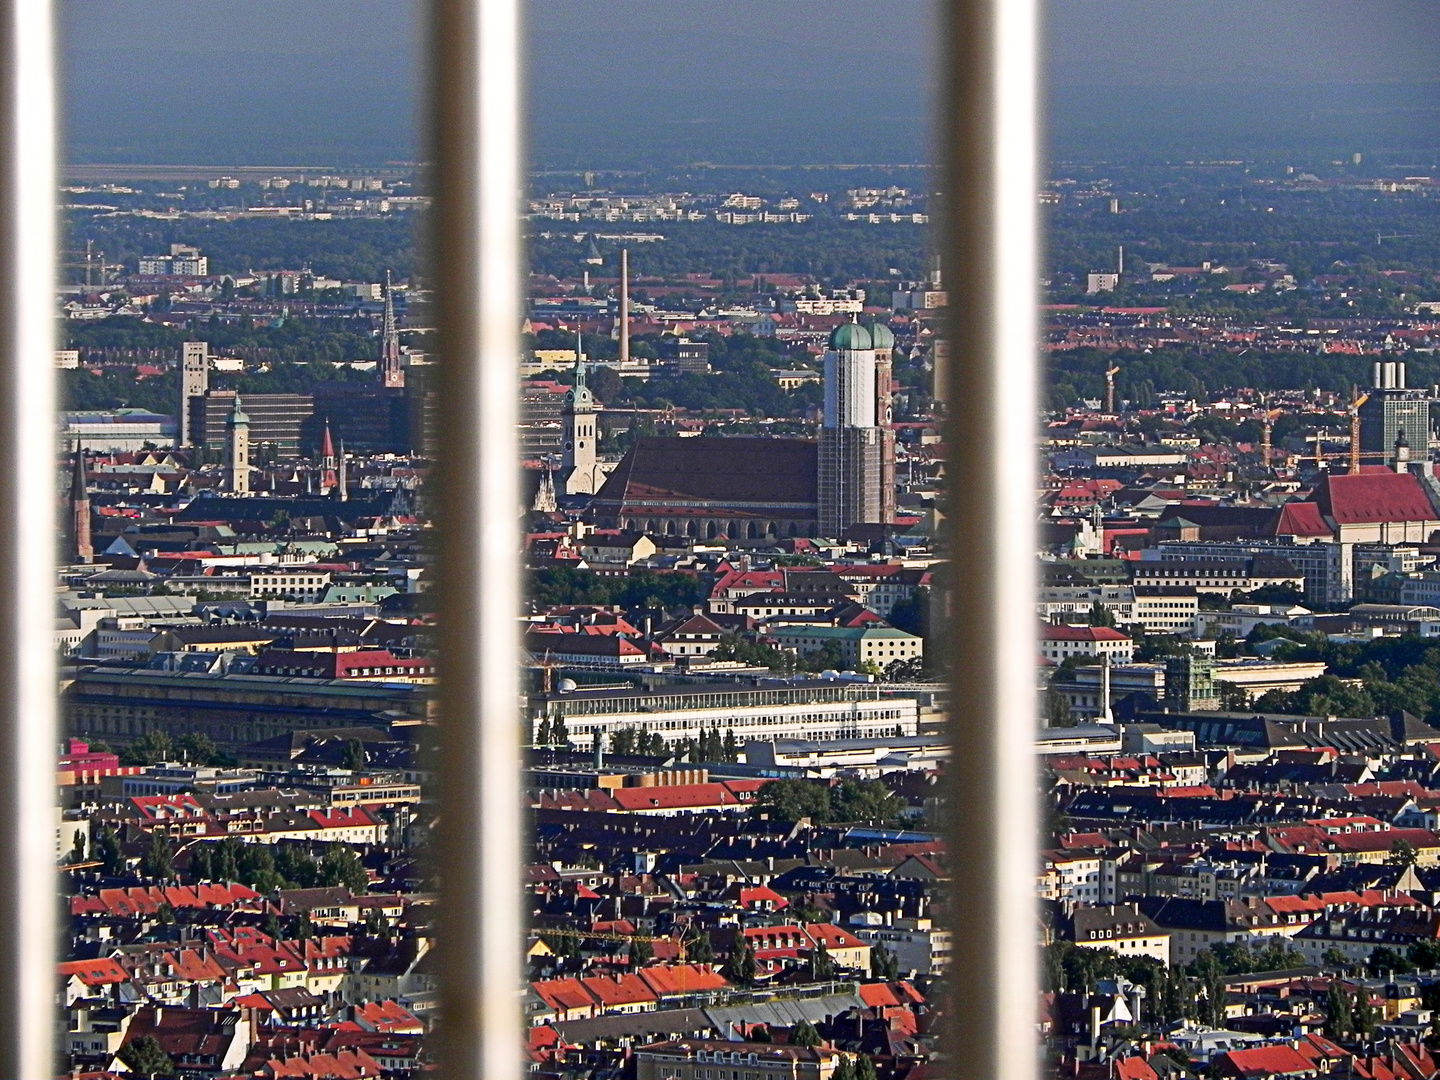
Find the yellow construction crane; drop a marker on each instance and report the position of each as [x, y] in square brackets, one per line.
[1268, 421]
[1110, 390]
[1355, 432]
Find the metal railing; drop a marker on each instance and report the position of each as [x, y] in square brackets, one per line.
[990, 145]
[28, 734]
[989, 163]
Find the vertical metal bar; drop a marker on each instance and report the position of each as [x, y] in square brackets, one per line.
[475, 55]
[27, 553]
[989, 145]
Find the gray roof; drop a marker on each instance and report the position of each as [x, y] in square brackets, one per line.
[784, 1012]
[665, 1023]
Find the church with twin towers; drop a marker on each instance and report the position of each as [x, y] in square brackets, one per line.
[749, 487]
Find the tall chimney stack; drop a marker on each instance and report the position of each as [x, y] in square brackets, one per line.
[624, 307]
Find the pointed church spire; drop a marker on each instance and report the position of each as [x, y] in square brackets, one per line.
[327, 462]
[391, 373]
[82, 547]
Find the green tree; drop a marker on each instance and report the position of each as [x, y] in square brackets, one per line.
[354, 758]
[1100, 615]
[1337, 1012]
[844, 1069]
[641, 952]
[731, 750]
[1336, 959]
[1207, 971]
[150, 749]
[699, 949]
[740, 967]
[304, 928]
[107, 850]
[804, 1034]
[791, 800]
[822, 965]
[1402, 853]
[196, 748]
[341, 866]
[377, 926]
[1363, 1016]
[884, 964]
[865, 800]
[734, 647]
[1425, 955]
[864, 1068]
[1057, 710]
[144, 1056]
[1385, 962]
[158, 862]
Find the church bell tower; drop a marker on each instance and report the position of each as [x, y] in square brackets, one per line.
[581, 470]
[237, 450]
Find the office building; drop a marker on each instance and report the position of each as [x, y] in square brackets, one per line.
[194, 382]
[811, 709]
[281, 423]
[1389, 409]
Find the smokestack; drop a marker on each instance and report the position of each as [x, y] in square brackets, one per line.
[1400, 374]
[1376, 381]
[1120, 260]
[1106, 716]
[1389, 374]
[624, 306]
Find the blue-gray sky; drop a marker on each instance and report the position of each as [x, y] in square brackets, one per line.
[256, 81]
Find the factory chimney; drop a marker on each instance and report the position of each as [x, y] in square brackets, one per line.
[624, 307]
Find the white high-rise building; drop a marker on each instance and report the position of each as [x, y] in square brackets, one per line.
[194, 381]
[850, 437]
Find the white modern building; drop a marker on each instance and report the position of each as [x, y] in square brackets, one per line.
[819, 709]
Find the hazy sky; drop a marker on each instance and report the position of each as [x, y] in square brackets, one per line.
[841, 80]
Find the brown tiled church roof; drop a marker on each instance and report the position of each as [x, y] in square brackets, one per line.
[718, 470]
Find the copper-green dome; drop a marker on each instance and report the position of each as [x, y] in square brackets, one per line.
[881, 337]
[850, 337]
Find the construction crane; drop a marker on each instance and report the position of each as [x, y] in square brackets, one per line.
[1268, 424]
[1110, 390]
[606, 935]
[1355, 432]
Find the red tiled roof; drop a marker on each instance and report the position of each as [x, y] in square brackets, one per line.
[94, 972]
[564, 994]
[627, 989]
[1263, 1061]
[878, 994]
[1081, 633]
[1301, 519]
[1134, 1068]
[675, 979]
[673, 797]
[1371, 497]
